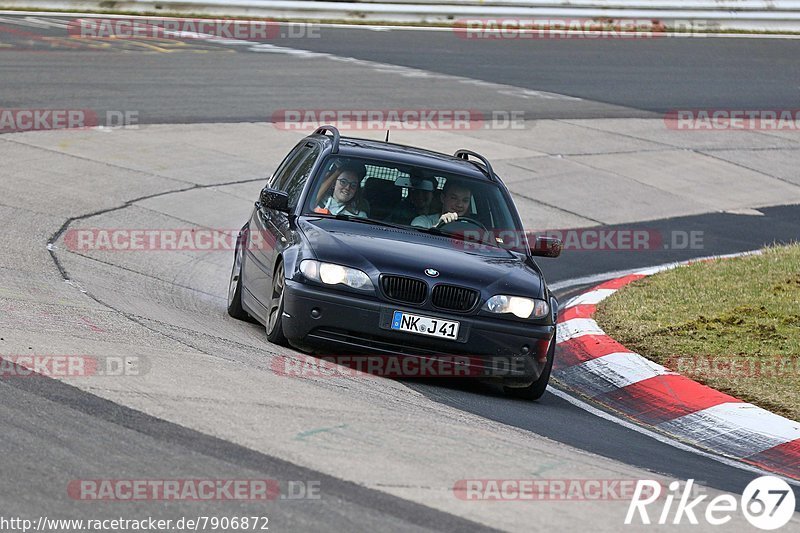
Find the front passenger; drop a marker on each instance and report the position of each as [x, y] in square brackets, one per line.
[341, 192]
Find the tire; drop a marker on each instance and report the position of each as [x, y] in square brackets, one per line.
[235, 284]
[274, 320]
[535, 390]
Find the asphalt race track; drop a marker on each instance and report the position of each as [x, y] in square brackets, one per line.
[189, 81]
[384, 453]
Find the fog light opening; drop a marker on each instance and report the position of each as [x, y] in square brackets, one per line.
[316, 313]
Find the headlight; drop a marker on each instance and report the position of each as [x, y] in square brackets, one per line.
[518, 306]
[331, 274]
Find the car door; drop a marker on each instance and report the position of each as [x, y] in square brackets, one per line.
[292, 184]
[256, 266]
[269, 229]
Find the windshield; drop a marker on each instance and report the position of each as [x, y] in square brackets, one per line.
[417, 198]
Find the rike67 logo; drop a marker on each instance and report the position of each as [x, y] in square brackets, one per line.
[767, 503]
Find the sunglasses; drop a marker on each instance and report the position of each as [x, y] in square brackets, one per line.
[347, 184]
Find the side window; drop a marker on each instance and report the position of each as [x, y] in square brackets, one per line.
[297, 177]
[279, 178]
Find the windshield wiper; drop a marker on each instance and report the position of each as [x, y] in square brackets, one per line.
[353, 218]
[431, 231]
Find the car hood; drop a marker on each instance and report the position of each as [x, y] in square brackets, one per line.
[383, 250]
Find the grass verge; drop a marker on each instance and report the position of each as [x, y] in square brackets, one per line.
[732, 324]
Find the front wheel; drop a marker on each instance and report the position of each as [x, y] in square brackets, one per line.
[275, 316]
[535, 390]
[235, 284]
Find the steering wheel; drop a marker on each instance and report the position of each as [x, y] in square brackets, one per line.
[466, 220]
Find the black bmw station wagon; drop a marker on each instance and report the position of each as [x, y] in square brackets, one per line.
[370, 247]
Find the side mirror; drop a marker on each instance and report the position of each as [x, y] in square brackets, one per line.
[275, 199]
[546, 247]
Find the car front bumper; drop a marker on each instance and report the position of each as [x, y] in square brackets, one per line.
[489, 348]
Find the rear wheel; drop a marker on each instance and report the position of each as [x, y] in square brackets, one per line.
[275, 311]
[535, 390]
[235, 284]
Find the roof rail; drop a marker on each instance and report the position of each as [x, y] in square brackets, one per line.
[465, 154]
[328, 128]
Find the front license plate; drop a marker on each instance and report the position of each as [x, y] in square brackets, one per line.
[425, 325]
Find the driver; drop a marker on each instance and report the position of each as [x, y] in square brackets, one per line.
[456, 198]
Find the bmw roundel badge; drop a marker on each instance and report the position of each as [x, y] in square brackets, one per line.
[431, 272]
